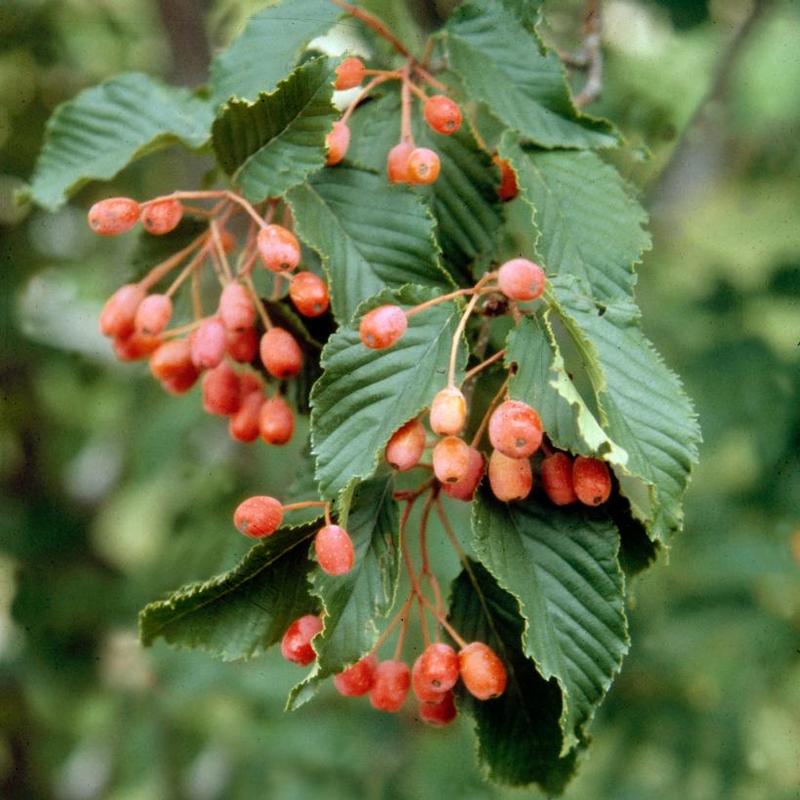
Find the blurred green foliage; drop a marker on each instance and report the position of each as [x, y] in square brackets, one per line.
[113, 493]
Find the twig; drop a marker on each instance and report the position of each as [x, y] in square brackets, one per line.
[376, 24]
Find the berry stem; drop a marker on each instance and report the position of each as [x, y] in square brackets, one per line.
[212, 195]
[188, 270]
[442, 620]
[362, 95]
[484, 364]
[427, 77]
[220, 250]
[443, 298]
[179, 331]
[393, 623]
[417, 91]
[423, 549]
[462, 323]
[485, 421]
[197, 301]
[406, 134]
[305, 504]
[376, 24]
[262, 311]
[165, 267]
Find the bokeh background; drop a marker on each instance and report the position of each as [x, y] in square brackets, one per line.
[112, 493]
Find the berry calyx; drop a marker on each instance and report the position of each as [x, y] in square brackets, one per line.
[520, 279]
[280, 353]
[508, 188]
[406, 446]
[113, 216]
[334, 550]
[153, 314]
[450, 459]
[243, 345]
[557, 479]
[464, 489]
[209, 343]
[258, 516]
[244, 424]
[439, 714]
[275, 421]
[118, 317]
[357, 680]
[510, 478]
[448, 412]
[309, 293]
[397, 162]
[442, 114]
[591, 480]
[296, 643]
[236, 308]
[349, 73]
[482, 671]
[222, 393]
[278, 248]
[162, 217]
[337, 142]
[515, 429]
[423, 166]
[382, 327]
[392, 681]
[438, 667]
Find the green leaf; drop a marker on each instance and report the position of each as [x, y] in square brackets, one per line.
[519, 739]
[240, 613]
[104, 128]
[370, 235]
[277, 141]
[590, 226]
[356, 602]
[528, 11]
[502, 64]
[561, 565]
[268, 48]
[365, 395]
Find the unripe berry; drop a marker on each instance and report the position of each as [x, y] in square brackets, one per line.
[423, 166]
[557, 479]
[278, 248]
[209, 343]
[337, 142]
[309, 293]
[333, 548]
[510, 478]
[296, 643]
[521, 279]
[450, 459]
[113, 216]
[397, 162]
[465, 488]
[118, 316]
[439, 714]
[349, 73]
[382, 327]
[162, 217]
[442, 114]
[438, 667]
[482, 671]
[236, 308]
[392, 681]
[515, 429]
[508, 188]
[280, 353]
[258, 516]
[406, 446]
[358, 679]
[243, 345]
[171, 363]
[448, 412]
[153, 314]
[421, 686]
[222, 392]
[275, 421]
[591, 480]
[136, 346]
[244, 424]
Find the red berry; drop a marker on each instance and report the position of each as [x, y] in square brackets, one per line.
[275, 421]
[243, 345]
[113, 216]
[448, 412]
[136, 346]
[406, 446]
[334, 550]
[521, 279]
[423, 166]
[181, 383]
[465, 488]
[592, 480]
[258, 516]
[222, 391]
[450, 459]
[278, 248]
[153, 314]
[118, 316]
[557, 479]
[515, 429]
[397, 162]
[438, 667]
[162, 217]
[510, 478]
[482, 671]
[209, 343]
[349, 73]
[382, 327]
[309, 293]
[392, 681]
[442, 114]
[337, 142]
[358, 679]
[508, 188]
[251, 383]
[236, 308]
[421, 686]
[244, 424]
[439, 714]
[296, 643]
[171, 363]
[280, 353]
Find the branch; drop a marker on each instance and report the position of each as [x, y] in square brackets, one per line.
[593, 54]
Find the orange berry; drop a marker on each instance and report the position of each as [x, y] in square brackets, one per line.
[153, 314]
[557, 479]
[442, 114]
[337, 142]
[275, 421]
[422, 688]
[448, 412]
[334, 550]
[243, 425]
[296, 643]
[280, 353]
[515, 429]
[118, 317]
[136, 346]
[397, 162]
[450, 459]
[392, 682]
[438, 667]
[358, 679]
[423, 166]
[382, 327]
[258, 516]
[510, 478]
[278, 248]
[349, 73]
[243, 345]
[162, 217]
[406, 446]
[508, 188]
[236, 308]
[465, 488]
[171, 363]
[222, 391]
[591, 480]
[309, 293]
[208, 343]
[482, 671]
[113, 216]
[521, 279]
[439, 714]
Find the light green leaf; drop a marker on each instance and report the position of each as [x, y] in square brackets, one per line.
[277, 141]
[561, 565]
[104, 128]
[370, 235]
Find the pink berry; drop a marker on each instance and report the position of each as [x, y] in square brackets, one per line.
[275, 421]
[209, 343]
[510, 478]
[515, 429]
[337, 142]
[280, 353]
[162, 217]
[243, 345]
[448, 412]
[464, 489]
[244, 424]
[421, 686]
[153, 314]
[392, 682]
[278, 248]
[221, 391]
[358, 679]
[382, 327]
[333, 548]
[557, 479]
[439, 714]
[118, 317]
[258, 516]
[236, 308]
[438, 667]
[406, 446]
[482, 671]
[309, 294]
[450, 459]
[296, 643]
[113, 216]
[521, 279]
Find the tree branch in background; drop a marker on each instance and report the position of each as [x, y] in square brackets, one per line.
[593, 53]
[183, 22]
